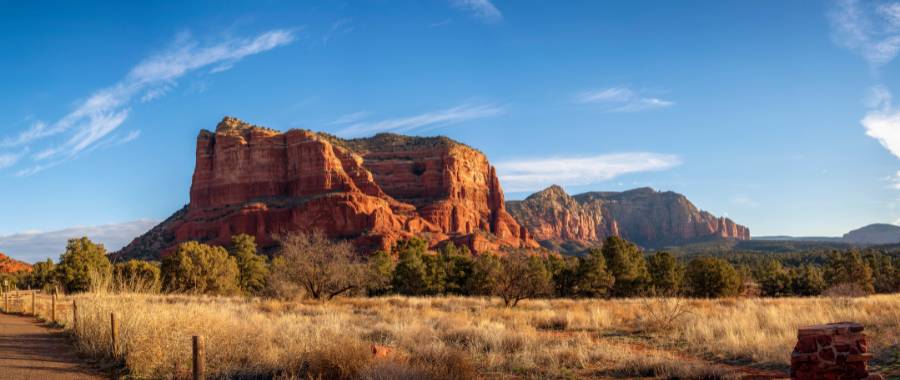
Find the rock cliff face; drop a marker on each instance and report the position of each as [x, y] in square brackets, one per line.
[374, 190]
[644, 216]
[10, 265]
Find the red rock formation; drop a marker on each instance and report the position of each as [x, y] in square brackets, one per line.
[10, 265]
[644, 216]
[374, 190]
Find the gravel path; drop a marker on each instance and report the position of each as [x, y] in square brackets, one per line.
[28, 350]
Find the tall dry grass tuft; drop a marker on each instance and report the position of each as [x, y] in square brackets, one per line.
[456, 337]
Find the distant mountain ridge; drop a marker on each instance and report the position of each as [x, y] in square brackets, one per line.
[873, 234]
[645, 216]
[879, 233]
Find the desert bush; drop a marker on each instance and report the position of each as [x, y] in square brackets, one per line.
[82, 261]
[521, 276]
[136, 276]
[662, 315]
[201, 269]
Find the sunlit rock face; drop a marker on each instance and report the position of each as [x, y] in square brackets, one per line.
[376, 190]
[644, 216]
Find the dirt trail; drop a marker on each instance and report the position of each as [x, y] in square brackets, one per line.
[29, 350]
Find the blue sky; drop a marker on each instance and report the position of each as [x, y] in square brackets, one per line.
[776, 114]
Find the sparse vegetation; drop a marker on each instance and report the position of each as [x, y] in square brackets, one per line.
[458, 337]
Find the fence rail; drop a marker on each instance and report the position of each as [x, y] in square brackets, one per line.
[48, 306]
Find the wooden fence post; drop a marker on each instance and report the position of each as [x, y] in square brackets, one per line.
[33, 310]
[114, 329]
[199, 358]
[75, 317]
[53, 308]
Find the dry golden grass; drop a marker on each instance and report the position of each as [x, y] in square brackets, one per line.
[455, 337]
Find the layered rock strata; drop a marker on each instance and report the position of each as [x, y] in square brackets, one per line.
[262, 182]
[644, 216]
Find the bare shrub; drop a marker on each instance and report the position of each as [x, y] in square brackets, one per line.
[662, 314]
[555, 322]
[344, 358]
[442, 363]
[845, 290]
[320, 266]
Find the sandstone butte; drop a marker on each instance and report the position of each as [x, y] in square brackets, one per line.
[374, 191]
[10, 265]
[647, 217]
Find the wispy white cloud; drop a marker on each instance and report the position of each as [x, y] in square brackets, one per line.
[36, 245]
[428, 120]
[871, 30]
[621, 99]
[439, 23]
[339, 27]
[349, 118]
[106, 109]
[538, 173]
[131, 136]
[8, 159]
[882, 122]
[483, 10]
[744, 200]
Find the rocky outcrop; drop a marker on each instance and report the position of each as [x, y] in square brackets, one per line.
[10, 265]
[376, 190]
[644, 216]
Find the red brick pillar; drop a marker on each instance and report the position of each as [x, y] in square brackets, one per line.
[834, 351]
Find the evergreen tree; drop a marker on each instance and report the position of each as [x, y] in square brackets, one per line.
[411, 274]
[43, 276]
[665, 274]
[564, 274]
[594, 280]
[773, 279]
[380, 273]
[711, 277]
[807, 281]
[884, 276]
[848, 268]
[626, 263]
[457, 262]
[252, 266]
[486, 269]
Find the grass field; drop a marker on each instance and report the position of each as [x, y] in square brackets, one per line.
[455, 337]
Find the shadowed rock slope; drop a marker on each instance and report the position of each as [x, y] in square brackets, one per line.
[647, 217]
